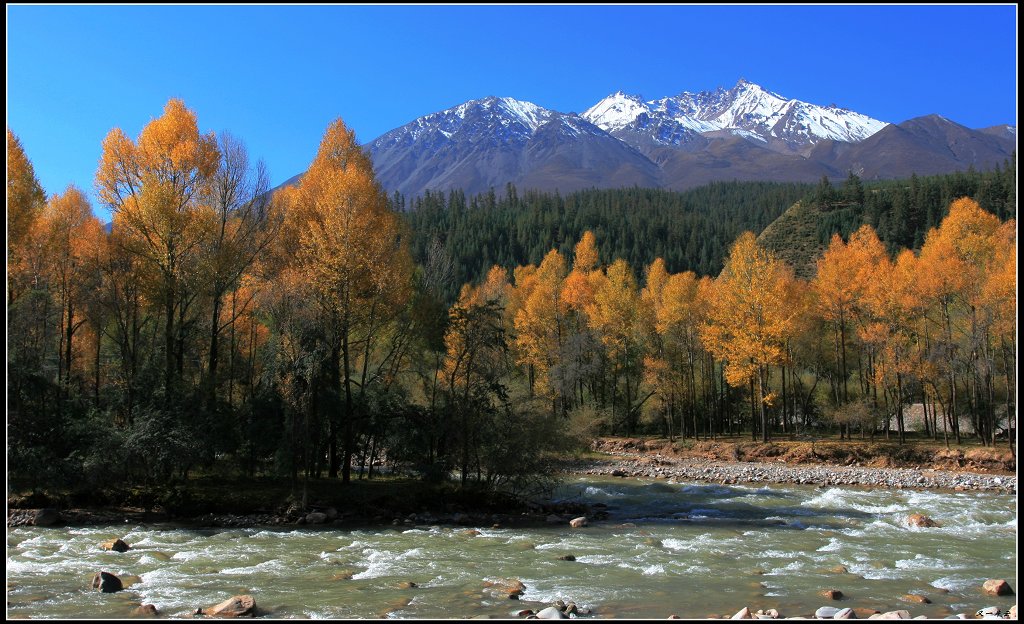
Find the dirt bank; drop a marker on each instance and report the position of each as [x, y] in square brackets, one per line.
[873, 454]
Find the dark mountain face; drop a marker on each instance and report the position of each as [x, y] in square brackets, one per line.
[924, 145]
[679, 142]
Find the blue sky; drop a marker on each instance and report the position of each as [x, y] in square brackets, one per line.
[275, 76]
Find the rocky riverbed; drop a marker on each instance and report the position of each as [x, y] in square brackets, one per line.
[657, 466]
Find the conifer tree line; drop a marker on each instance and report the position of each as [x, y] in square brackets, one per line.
[219, 327]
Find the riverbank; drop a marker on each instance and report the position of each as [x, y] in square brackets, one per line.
[216, 502]
[660, 467]
[847, 463]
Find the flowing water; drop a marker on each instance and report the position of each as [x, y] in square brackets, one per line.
[685, 548]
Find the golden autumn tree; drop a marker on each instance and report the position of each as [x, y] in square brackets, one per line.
[244, 224]
[154, 186]
[958, 257]
[475, 361]
[350, 248]
[582, 356]
[749, 319]
[617, 318]
[999, 313]
[540, 326]
[678, 314]
[893, 305]
[25, 200]
[71, 235]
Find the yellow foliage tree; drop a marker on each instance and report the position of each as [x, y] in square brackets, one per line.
[749, 318]
[617, 318]
[349, 247]
[540, 325]
[154, 187]
[25, 200]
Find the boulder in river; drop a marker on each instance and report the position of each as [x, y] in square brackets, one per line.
[921, 520]
[567, 558]
[117, 545]
[917, 598]
[510, 588]
[236, 606]
[47, 517]
[146, 610]
[106, 582]
[997, 587]
[831, 594]
[578, 522]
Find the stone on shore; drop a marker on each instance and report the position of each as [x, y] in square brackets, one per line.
[845, 614]
[551, 613]
[316, 517]
[47, 517]
[578, 522]
[743, 614]
[824, 613]
[236, 606]
[116, 545]
[106, 583]
[864, 613]
[899, 614]
[997, 587]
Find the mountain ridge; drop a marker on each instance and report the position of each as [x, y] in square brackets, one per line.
[745, 132]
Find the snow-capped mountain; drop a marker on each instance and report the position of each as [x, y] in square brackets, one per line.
[492, 141]
[746, 110]
[743, 133]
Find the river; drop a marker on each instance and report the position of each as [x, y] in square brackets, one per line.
[692, 549]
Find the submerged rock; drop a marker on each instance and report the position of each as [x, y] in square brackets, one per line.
[511, 588]
[921, 520]
[916, 598]
[146, 610]
[236, 606]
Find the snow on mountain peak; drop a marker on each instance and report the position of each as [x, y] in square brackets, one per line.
[616, 111]
[527, 113]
